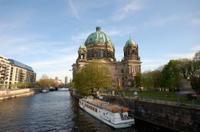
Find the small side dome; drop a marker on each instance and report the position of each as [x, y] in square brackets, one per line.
[82, 46]
[130, 42]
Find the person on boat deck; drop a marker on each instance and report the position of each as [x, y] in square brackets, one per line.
[125, 115]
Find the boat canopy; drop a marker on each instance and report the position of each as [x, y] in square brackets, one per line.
[105, 105]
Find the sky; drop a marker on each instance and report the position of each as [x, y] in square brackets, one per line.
[46, 34]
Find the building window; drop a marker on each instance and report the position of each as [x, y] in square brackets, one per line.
[82, 56]
[101, 52]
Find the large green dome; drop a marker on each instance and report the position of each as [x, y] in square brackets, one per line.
[98, 37]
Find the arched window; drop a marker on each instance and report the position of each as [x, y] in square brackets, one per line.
[127, 52]
[104, 53]
[95, 53]
[133, 51]
[82, 56]
[101, 53]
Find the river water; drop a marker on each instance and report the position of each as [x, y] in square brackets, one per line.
[53, 111]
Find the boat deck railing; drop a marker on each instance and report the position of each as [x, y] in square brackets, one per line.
[105, 105]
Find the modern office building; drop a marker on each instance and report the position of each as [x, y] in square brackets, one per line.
[99, 48]
[13, 72]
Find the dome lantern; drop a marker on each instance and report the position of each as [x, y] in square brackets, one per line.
[98, 28]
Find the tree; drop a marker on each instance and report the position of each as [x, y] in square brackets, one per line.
[151, 79]
[171, 75]
[138, 80]
[43, 83]
[92, 77]
[47, 83]
[195, 82]
[190, 70]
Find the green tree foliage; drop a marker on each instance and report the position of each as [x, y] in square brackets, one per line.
[47, 83]
[138, 80]
[70, 85]
[151, 79]
[171, 75]
[195, 77]
[22, 85]
[190, 70]
[195, 82]
[91, 78]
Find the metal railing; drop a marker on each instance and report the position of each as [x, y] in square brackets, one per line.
[159, 100]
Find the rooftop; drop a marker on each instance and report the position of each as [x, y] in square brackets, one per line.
[21, 65]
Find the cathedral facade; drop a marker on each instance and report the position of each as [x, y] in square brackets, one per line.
[99, 48]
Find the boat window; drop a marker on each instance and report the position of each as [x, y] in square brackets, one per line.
[91, 107]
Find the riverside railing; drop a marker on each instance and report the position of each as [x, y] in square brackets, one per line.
[176, 101]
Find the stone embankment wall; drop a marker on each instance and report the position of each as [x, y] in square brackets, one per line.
[8, 94]
[174, 117]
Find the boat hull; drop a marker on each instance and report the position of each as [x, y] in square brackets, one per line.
[124, 124]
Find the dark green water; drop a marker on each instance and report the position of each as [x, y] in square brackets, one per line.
[53, 111]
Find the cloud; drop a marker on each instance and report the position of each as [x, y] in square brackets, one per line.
[114, 32]
[195, 47]
[152, 64]
[80, 37]
[73, 9]
[51, 62]
[160, 21]
[121, 31]
[46, 57]
[189, 55]
[56, 66]
[131, 7]
[195, 21]
[30, 44]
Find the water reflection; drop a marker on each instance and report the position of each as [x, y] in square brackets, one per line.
[53, 111]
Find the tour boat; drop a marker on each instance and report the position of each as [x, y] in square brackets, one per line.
[113, 115]
[45, 90]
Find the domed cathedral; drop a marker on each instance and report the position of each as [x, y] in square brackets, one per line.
[99, 48]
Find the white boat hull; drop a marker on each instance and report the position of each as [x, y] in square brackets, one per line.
[45, 91]
[101, 117]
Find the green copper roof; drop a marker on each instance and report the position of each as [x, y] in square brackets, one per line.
[98, 37]
[130, 42]
[82, 46]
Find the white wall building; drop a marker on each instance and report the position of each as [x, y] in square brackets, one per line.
[13, 72]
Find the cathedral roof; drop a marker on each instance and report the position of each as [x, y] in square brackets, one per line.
[82, 46]
[130, 42]
[98, 37]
